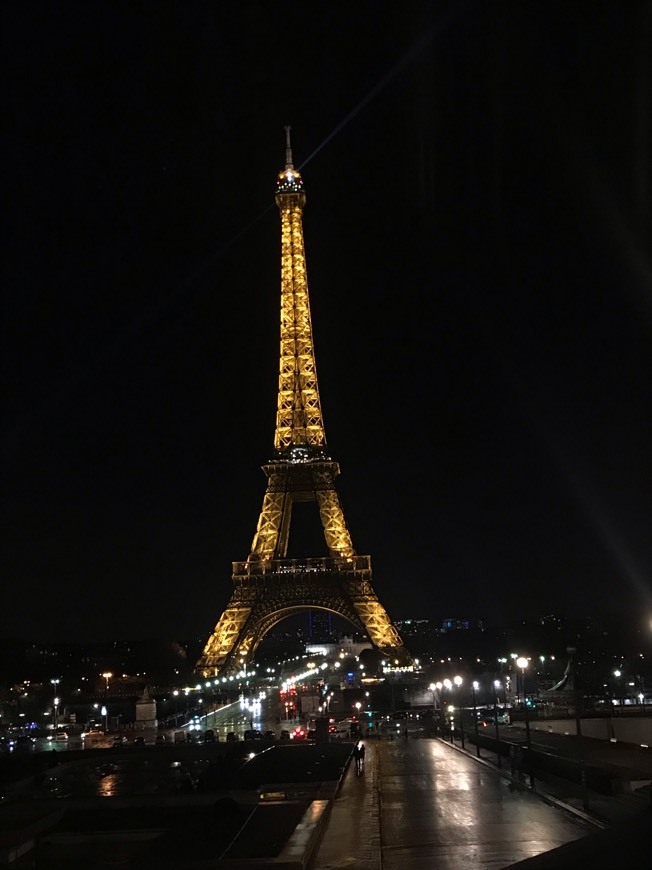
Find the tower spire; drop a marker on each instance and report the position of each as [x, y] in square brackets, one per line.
[299, 421]
[288, 148]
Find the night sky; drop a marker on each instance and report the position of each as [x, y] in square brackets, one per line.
[477, 229]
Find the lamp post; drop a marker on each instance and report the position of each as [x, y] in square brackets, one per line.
[392, 673]
[522, 663]
[499, 759]
[475, 685]
[105, 712]
[458, 682]
[617, 698]
[447, 684]
[435, 688]
[55, 704]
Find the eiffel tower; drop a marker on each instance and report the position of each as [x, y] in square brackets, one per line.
[269, 586]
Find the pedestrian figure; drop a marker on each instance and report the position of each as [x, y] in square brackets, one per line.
[358, 754]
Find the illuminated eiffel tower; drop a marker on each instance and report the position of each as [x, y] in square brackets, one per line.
[269, 586]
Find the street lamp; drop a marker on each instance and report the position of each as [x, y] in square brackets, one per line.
[499, 758]
[107, 676]
[474, 686]
[458, 682]
[435, 688]
[522, 663]
[451, 711]
[55, 683]
[617, 696]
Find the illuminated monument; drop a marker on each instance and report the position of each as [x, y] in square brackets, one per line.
[269, 586]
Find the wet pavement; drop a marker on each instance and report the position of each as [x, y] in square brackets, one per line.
[427, 804]
[418, 803]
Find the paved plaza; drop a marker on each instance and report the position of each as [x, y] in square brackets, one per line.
[426, 805]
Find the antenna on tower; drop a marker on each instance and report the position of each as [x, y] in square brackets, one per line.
[288, 148]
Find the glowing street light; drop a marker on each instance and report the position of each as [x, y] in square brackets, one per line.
[55, 704]
[458, 682]
[522, 663]
[107, 676]
[474, 687]
[499, 759]
[435, 688]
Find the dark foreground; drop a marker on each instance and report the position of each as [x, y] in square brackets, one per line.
[187, 814]
[418, 804]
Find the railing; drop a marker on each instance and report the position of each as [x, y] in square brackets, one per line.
[303, 566]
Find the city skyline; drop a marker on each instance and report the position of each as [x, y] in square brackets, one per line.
[477, 237]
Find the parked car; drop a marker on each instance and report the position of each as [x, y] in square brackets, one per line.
[270, 735]
[232, 737]
[284, 735]
[139, 740]
[253, 734]
[160, 739]
[210, 736]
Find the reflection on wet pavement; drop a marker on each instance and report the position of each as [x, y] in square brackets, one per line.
[127, 777]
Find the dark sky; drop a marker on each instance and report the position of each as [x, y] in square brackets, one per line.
[477, 230]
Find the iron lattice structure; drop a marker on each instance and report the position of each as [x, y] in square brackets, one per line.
[269, 587]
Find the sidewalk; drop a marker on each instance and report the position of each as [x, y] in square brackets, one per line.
[427, 803]
[351, 837]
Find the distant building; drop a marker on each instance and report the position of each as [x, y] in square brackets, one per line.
[421, 628]
[345, 646]
[455, 624]
[320, 626]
